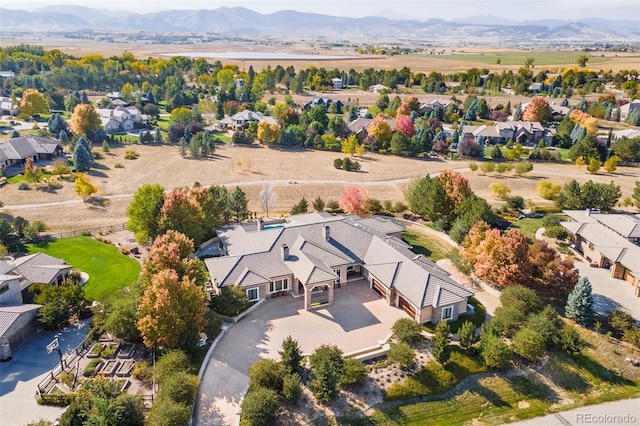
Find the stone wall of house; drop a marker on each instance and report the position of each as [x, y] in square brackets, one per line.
[21, 329]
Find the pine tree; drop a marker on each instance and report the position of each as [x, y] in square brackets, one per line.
[441, 340]
[517, 113]
[291, 355]
[64, 137]
[615, 116]
[579, 306]
[82, 158]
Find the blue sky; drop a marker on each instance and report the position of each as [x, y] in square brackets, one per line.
[517, 10]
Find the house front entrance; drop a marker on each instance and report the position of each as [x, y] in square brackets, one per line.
[318, 295]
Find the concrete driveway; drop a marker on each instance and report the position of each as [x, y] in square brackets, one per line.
[30, 364]
[359, 318]
[609, 293]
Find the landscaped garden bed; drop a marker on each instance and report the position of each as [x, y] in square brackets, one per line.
[127, 350]
[93, 366]
[110, 350]
[109, 367]
[125, 368]
[95, 351]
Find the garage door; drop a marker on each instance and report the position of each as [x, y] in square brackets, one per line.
[628, 277]
[379, 288]
[406, 306]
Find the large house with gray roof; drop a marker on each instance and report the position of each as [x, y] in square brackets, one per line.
[38, 268]
[17, 150]
[312, 253]
[608, 240]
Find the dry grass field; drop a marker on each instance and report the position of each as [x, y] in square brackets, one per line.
[293, 173]
[465, 57]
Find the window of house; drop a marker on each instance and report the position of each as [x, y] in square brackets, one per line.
[447, 313]
[253, 294]
[4, 289]
[279, 285]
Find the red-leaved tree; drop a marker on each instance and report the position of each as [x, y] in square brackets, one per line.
[538, 110]
[405, 125]
[456, 187]
[352, 199]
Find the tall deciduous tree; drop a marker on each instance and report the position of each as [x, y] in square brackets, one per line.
[182, 213]
[85, 120]
[380, 129]
[33, 102]
[352, 199]
[579, 306]
[405, 125]
[538, 110]
[173, 250]
[268, 197]
[144, 212]
[172, 312]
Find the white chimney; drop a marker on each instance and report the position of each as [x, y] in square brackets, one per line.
[326, 232]
[284, 250]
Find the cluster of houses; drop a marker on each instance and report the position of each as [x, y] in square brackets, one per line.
[15, 152]
[608, 240]
[17, 319]
[313, 253]
[526, 133]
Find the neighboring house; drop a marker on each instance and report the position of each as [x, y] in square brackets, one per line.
[315, 252]
[360, 126]
[17, 320]
[526, 133]
[429, 104]
[535, 87]
[241, 120]
[627, 109]
[627, 133]
[610, 241]
[378, 88]
[7, 106]
[337, 83]
[119, 119]
[17, 150]
[554, 108]
[7, 75]
[327, 103]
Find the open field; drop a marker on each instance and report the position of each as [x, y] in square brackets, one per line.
[293, 173]
[108, 269]
[465, 57]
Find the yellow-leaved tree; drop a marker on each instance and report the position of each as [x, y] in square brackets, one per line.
[33, 102]
[85, 120]
[84, 188]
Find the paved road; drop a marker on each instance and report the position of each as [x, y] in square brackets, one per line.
[30, 364]
[625, 412]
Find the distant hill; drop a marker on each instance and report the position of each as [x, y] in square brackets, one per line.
[288, 23]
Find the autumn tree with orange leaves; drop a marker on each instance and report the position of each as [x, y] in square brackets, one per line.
[538, 110]
[173, 312]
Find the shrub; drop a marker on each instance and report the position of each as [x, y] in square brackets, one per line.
[548, 190]
[353, 372]
[529, 343]
[130, 155]
[266, 373]
[467, 335]
[171, 362]
[231, 301]
[552, 220]
[431, 380]
[118, 166]
[548, 323]
[97, 349]
[168, 412]
[515, 203]
[495, 352]
[144, 372]
[67, 379]
[291, 387]
[260, 406]
[180, 387]
[570, 340]
[619, 321]
[557, 232]
[90, 369]
[407, 330]
[23, 186]
[402, 354]
[55, 400]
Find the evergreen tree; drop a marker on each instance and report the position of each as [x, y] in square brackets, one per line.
[291, 355]
[238, 204]
[441, 339]
[64, 137]
[183, 147]
[82, 158]
[579, 306]
[582, 105]
[158, 136]
[517, 113]
[615, 116]
[187, 134]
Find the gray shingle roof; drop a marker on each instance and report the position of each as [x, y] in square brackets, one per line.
[10, 314]
[38, 268]
[312, 257]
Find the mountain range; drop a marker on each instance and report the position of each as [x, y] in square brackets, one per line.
[239, 21]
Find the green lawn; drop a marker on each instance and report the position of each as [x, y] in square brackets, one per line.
[528, 226]
[517, 58]
[432, 247]
[108, 269]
